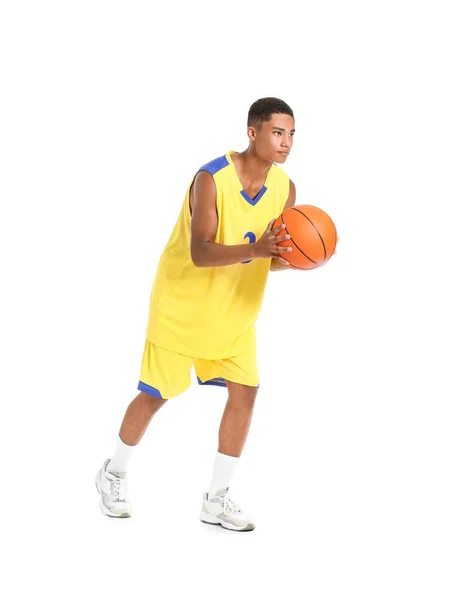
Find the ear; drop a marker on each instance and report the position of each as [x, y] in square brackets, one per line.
[251, 132]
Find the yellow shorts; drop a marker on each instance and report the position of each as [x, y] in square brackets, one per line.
[166, 374]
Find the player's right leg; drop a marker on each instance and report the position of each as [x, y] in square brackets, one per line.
[164, 374]
[111, 479]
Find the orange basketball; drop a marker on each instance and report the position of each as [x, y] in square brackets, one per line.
[313, 236]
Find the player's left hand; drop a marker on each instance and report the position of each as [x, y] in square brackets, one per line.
[282, 260]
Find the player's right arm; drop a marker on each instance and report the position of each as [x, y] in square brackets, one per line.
[207, 253]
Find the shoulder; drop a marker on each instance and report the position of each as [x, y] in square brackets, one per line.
[279, 175]
[279, 171]
[285, 186]
[214, 166]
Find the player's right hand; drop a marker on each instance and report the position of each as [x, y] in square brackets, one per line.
[266, 246]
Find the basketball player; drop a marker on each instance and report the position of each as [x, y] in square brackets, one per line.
[206, 297]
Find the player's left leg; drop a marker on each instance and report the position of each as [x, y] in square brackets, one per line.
[240, 375]
[236, 419]
[218, 508]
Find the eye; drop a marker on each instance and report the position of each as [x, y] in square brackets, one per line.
[278, 132]
[292, 133]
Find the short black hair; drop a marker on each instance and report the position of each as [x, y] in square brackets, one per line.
[263, 109]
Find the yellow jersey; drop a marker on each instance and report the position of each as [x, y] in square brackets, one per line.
[210, 312]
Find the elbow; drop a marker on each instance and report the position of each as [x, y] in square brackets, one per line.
[195, 256]
[194, 259]
[200, 255]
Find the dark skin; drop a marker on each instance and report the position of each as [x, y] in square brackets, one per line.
[268, 144]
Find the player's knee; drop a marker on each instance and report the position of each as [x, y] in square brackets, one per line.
[252, 391]
[152, 400]
[250, 396]
[243, 393]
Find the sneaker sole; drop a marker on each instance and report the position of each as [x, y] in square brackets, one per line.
[211, 520]
[104, 509]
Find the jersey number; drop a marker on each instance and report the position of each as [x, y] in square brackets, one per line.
[252, 237]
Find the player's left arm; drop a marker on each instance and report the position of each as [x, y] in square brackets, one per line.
[276, 263]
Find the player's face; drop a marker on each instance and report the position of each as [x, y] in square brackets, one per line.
[274, 140]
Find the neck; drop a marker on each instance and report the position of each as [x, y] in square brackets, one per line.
[249, 162]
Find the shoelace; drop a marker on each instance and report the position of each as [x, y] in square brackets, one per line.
[230, 507]
[118, 489]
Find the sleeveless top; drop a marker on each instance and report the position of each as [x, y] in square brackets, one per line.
[210, 312]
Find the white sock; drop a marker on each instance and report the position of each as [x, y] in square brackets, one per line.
[224, 466]
[119, 461]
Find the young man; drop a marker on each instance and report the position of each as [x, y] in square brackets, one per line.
[205, 300]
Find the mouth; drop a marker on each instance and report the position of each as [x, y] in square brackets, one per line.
[283, 152]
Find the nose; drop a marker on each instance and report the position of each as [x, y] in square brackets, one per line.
[286, 141]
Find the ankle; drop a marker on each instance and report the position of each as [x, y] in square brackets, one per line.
[120, 459]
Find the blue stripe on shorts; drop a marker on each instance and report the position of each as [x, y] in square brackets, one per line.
[149, 389]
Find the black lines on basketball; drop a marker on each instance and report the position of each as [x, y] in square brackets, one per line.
[300, 249]
[316, 229]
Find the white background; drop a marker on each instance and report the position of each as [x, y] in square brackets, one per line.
[107, 110]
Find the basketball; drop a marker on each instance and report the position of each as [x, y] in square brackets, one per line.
[313, 236]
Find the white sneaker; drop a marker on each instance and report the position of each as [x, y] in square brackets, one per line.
[113, 490]
[221, 510]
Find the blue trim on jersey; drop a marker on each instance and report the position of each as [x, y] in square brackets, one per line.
[215, 165]
[149, 389]
[254, 201]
